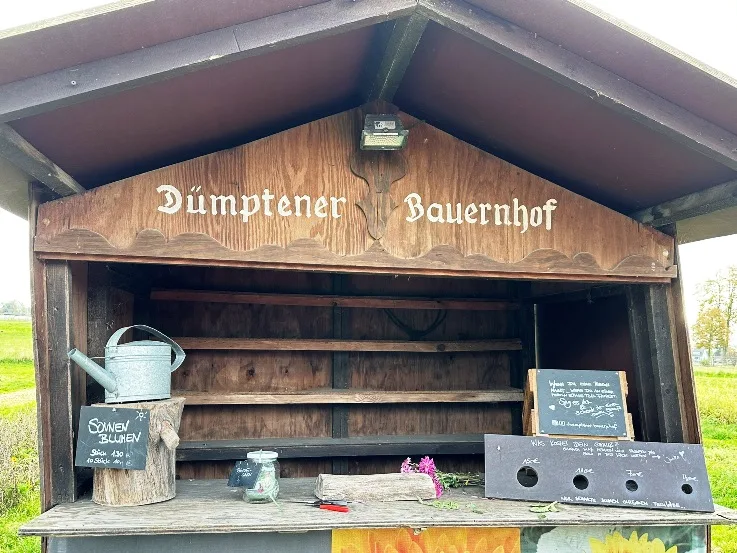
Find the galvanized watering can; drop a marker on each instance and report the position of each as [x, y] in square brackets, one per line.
[136, 371]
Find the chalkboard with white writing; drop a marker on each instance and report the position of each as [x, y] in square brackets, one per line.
[580, 403]
[244, 474]
[112, 438]
[617, 473]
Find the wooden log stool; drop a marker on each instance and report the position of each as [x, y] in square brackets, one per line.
[156, 483]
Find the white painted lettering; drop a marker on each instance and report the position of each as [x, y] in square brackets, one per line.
[223, 202]
[449, 214]
[497, 214]
[416, 210]
[298, 205]
[173, 198]
[321, 205]
[283, 207]
[435, 213]
[267, 196]
[247, 210]
[468, 215]
[334, 206]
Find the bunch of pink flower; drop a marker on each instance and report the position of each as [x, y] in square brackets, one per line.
[425, 466]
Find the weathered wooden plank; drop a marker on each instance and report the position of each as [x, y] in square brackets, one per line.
[40, 350]
[317, 300]
[525, 359]
[164, 61]
[353, 446]
[375, 487]
[347, 345]
[715, 198]
[333, 396]
[684, 360]
[23, 155]
[399, 50]
[55, 396]
[656, 366]
[585, 77]
[340, 372]
[209, 506]
[612, 248]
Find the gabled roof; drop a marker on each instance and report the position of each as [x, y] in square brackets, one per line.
[551, 85]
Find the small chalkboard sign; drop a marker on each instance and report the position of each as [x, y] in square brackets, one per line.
[580, 403]
[244, 474]
[112, 438]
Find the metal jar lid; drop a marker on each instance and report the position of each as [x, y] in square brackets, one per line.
[262, 456]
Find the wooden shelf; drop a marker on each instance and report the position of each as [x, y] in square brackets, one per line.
[357, 446]
[270, 344]
[210, 507]
[336, 396]
[311, 300]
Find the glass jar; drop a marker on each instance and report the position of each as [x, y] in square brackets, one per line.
[266, 486]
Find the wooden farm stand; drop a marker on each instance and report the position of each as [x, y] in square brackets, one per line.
[324, 315]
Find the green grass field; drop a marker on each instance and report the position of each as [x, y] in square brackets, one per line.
[19, 492]
[716, 392]
[19, 479]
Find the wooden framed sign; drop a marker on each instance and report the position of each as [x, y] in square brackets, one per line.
[577, 403]
[309, 199]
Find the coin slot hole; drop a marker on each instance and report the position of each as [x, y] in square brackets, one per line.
[687, 489]
[631, 485]
[581, 482]
[527, 476]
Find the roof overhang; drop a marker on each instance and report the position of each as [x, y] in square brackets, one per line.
[554, 86]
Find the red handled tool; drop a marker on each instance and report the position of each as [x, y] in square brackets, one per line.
[337, 506]
[326, 505]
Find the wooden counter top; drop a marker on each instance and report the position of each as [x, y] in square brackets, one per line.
[209, 506]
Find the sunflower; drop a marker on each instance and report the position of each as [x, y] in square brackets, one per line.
[432, 540]
[616, 543]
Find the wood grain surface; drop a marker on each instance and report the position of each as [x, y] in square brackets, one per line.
[315, 300]
[209, 506]
[280, 344]
[585, 240]
[312, 397]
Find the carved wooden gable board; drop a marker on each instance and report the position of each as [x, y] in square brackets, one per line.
[308, 198]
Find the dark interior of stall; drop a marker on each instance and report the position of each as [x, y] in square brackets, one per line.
[571, 325]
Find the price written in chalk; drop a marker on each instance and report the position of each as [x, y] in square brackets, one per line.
[113, 437]
[580, 403]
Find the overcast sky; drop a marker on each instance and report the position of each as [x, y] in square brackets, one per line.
[704, 29]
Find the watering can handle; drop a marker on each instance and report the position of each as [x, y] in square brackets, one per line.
[178, 360]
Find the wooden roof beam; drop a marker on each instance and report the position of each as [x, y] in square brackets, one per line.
[580, 75]
[126, 71]
[399, 50]
[24, 156]
[706, 201]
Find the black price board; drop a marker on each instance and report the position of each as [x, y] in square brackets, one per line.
[244, 474]
[618, 473]
[580, 403]
[112, 438]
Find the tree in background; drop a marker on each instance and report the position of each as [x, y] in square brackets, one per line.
[717, 312]
[709, 330]
[14, 308]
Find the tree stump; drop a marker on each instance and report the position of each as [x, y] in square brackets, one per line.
[156, 483]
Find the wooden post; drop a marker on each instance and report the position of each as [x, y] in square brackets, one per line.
[341, 376]
[59, 305]
[54, 391]
[525, 359]
[656, 363]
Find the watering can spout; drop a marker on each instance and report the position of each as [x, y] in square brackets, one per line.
[94, 370]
